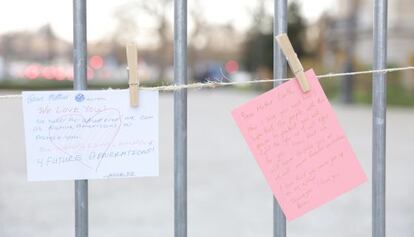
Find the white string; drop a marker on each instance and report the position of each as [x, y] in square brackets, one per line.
[213, 84]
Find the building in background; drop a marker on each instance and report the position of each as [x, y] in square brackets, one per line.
[334, 34]
[400, 29]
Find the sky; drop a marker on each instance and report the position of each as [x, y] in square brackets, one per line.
[17, 15]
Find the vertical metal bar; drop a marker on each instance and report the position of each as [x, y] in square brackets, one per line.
[180, 119]
[80, 65]
[279, 71]
[79, 44]
[351, 28]
[379, 101]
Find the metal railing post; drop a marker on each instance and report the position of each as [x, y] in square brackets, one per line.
[379, 104]
[79, 83]
[180, 119]
[279, 71]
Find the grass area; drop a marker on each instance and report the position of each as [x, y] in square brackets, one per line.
[398, 93]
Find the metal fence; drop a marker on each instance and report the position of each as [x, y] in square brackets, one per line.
[180, 113]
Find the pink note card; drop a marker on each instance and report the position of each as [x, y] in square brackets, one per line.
[299, 145]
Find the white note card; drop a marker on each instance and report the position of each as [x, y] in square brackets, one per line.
[73, 135]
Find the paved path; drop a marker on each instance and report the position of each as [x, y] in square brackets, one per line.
[228, 195]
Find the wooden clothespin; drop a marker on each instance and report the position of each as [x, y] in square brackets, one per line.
[293, 60]
[132, 60]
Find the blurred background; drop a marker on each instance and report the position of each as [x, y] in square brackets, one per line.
[228, 40]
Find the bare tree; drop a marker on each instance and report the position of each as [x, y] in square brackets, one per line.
[158, 10]
[128, 26]
[198, 33]
[261, 21]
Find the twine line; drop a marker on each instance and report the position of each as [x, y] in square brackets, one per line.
[214, 84]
